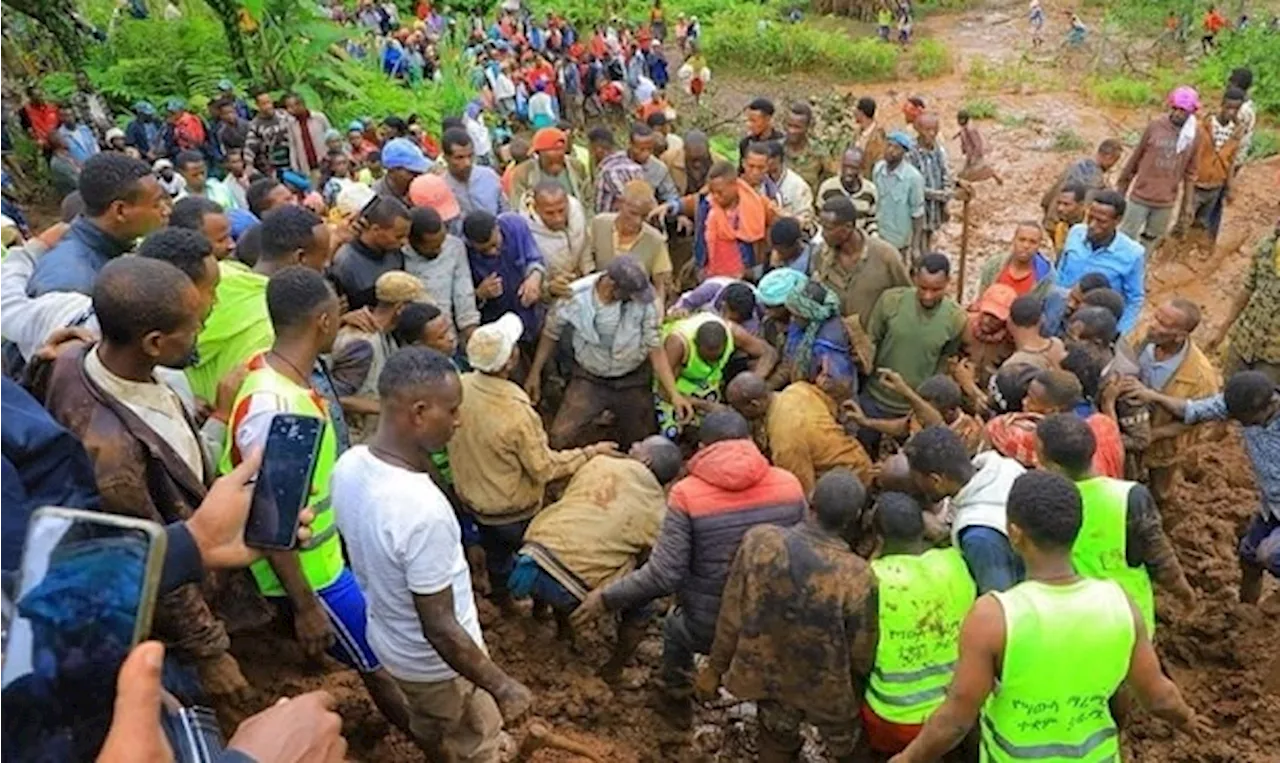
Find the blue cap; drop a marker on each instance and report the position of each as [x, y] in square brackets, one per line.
[402, 154]
[175, 105]
[225, 85]
[355, 126]
[241, 220]
[902, 139]
[295, 180]
[144, 107]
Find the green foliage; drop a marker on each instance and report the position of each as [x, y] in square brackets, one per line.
[1122, 91]
[725, 146]
[1266, 143]
[981, 108]
[1256, 48]
[1068, 140]
[995, 75]
[930, 58]
[155, 60]
[734, 38]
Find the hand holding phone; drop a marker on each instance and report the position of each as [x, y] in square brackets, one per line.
[284, 479]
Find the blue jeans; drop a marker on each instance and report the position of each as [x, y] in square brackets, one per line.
[500, 544]
[990, 558]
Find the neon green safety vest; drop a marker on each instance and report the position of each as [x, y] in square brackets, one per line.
[923, 601]
[321, 556]
[1067, 650]
[699, 375]
[1099, 550]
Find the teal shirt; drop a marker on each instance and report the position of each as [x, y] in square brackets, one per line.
[901, 200]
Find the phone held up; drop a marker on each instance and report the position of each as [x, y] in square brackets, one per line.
[283, 486]
[85, 596]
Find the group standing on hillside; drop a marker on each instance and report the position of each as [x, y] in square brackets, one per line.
[603, 370]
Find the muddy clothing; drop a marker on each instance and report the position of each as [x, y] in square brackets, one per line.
[878, 269]
[499, 456]
[1145, 542]
[1262, 443]
[1255, 337]
[456, 714]
[609, 515]
[798, 622]
[730, 489]
[139, 474]
[806, 439]
[1217, 152]
[1156, 168]
[1193, 376]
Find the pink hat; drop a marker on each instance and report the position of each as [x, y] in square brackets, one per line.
[1185, 98]
[429, 190]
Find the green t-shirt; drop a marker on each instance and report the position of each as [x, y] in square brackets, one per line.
[911, 340]
[238, 327]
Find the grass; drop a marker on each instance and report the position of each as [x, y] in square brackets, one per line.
[1122, 91]
[736, 38]
[1068, 140]
[1266, 143]
[988, 75]
[981, 108]
[930, 58]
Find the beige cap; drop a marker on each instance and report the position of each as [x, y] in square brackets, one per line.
[352, 198]
[491, 345]
[398, 286]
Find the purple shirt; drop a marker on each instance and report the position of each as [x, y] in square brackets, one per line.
[517, 257]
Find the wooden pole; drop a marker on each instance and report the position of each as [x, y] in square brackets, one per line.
[964, 245]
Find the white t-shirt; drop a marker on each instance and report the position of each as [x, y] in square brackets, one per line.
[402, 539]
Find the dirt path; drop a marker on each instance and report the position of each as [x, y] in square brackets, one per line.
[1218, 653]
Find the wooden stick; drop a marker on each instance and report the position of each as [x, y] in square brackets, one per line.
[964, 245]
[540, 735]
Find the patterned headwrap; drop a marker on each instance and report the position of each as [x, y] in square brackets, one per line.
[778, 284]
[816, 313]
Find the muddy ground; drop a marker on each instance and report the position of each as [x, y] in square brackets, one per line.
[1217, 653]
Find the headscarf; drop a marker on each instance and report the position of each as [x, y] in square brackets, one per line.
[816, 313]
[778, 284]
[1187, 99]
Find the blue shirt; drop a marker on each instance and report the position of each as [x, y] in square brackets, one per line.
[1261, 442]
[482, 190]
[832, 343]
[81, 143]
[900, 200]
[74, 263]
[517, 257]
[1122, 261]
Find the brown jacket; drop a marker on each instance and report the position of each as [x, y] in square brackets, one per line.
[1214, 165]
[1195, 378]
[138, 475]
[1156, 168]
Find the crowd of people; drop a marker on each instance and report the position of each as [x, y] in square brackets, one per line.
[598, 374]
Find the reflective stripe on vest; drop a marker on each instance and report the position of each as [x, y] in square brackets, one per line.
[698, 374]
[1067, 650]
[1099, 550]
[321, 556]
[923, 601]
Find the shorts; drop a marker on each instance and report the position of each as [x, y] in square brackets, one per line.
[457, 716]
[886, 736]
[344, 604]
[1261, 544]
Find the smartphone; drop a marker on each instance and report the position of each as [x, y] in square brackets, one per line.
[367, 209]
[284, 481]
[85, 594]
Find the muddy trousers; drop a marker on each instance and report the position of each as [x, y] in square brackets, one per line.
[500, 544]
[780, 741]
[680, 642]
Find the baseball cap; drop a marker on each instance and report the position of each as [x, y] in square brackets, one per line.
[162, 164]
[398, 286]
[491, 345]
[114, 132]
[902, 139]
[549, 139]
[402, 154]
[997, 301]
[430, 190]
[352, 198]
[225, 85]
[630, 280]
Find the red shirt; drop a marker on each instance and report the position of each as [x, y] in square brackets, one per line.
[1022, 285]
[1108, 458]
[43, 120]
[1214, 22]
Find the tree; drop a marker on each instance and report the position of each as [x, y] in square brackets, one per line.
[228, 13]
[58, 17]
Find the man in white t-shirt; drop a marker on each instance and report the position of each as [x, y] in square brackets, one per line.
[405, 545]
